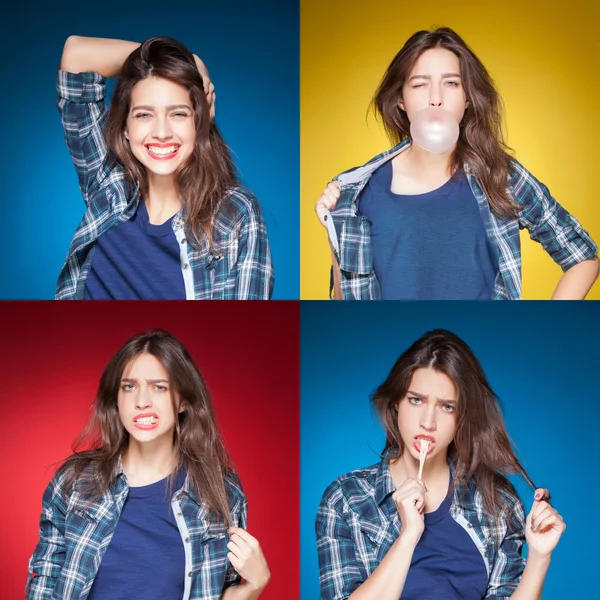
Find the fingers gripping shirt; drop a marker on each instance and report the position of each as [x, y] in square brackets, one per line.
[241, 268]
[548, 222]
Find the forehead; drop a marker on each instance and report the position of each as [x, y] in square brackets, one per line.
[433, 383]
[144, 366]
[155, 91]
[435, 61]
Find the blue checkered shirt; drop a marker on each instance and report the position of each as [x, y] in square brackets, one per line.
[547, 221]
[74, 537]
[240, 268]
[357, 523]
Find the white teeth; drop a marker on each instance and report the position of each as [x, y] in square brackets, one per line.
[162, 151]
[146, 420]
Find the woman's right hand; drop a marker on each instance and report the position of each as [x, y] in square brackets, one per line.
[328, 200]
[410, 501]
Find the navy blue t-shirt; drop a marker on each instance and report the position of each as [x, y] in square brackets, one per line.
[446, 564]
[145, 557]
[430, 246]
[136, 260]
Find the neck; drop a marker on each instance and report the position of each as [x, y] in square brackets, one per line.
[162, 199]
[423, 160]
[154, 460]
[435, 469]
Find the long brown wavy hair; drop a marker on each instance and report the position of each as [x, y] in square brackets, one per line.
[481, 449]
[481, 142]
[209, 173]
[196, 439]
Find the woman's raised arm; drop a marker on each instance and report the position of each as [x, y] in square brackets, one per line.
[96, 55]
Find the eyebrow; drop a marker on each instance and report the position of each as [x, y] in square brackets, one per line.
[444, 76]
[131, 380]
[424, 396]
[169, 107]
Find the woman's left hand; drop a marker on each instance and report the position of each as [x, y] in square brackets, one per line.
[544, 525]
[209, 88]
[247, 558]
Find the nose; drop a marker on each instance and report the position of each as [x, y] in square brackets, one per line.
[142, 399]
[435, 96]
[161, 129]
[428, 421]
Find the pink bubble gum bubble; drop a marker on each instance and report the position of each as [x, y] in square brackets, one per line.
[434, 129]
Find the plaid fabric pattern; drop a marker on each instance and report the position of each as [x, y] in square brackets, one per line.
[241, 269]
[548, 223]
[357, 523]
[74, 536]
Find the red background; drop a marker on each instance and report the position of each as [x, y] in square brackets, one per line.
[248, 352]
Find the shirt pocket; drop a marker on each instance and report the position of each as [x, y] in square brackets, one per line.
[375, 541]
[210, 562]
[356, 255]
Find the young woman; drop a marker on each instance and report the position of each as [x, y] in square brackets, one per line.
[166, 217]
[458, 532]
[153, 510]
[414, 224]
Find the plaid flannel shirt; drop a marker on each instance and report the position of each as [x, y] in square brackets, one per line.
[74, 537]
[548, 222]
[357, 523]
[241, 267]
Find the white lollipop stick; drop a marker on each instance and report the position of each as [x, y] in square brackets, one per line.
[422, 456]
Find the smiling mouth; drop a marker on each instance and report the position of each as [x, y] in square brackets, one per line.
[162, 153]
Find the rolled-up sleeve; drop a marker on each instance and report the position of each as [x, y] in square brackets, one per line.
[84, 112]
[548, 223]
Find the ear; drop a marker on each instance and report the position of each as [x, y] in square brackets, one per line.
[126, 135]
[401, 105]
[181, 408]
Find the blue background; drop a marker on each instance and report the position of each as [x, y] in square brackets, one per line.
[251, 50]
[541, 358]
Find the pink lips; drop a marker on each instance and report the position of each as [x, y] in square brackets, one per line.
[417, 443]
[145, 426]
[162, 157]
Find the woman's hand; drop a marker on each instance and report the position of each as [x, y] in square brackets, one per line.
[247, 558]
[544, 525]
[328, 200]
[410, 501]
[209, 88]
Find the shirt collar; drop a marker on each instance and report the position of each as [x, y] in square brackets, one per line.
[384, 485]
[360, 174]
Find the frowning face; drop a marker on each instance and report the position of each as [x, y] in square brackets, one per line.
[145, 400]
[428, 411]
[435, 80]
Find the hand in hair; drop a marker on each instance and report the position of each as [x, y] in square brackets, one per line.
[544, 525]
[247, 558]
[209, 88]
[410, 502]
[328, 200]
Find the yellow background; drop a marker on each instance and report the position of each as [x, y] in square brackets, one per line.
[544, 58]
